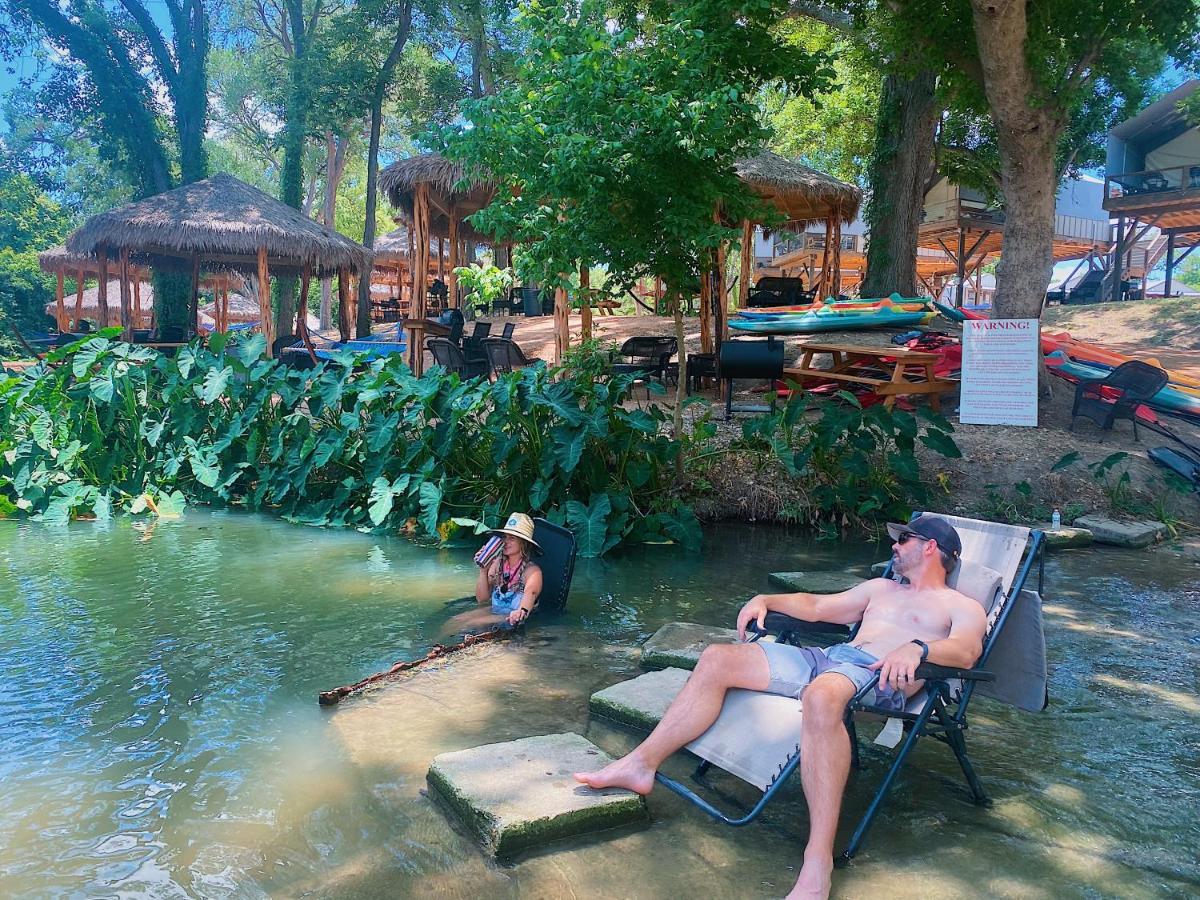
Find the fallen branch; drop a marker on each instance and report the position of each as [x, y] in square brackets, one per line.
[335, 696]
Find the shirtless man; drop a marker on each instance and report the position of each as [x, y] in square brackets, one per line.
[902, 625]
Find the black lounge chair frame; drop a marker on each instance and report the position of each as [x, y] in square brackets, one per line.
[1137, 381]
[942, 716]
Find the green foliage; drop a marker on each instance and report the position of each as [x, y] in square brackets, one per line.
[367, 446]
[482, 284]
[617, 143]
[832, 132]
[856, 466]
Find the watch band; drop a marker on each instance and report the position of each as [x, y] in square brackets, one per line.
[924, 649]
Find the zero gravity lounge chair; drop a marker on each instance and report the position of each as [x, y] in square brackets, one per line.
[756, 736]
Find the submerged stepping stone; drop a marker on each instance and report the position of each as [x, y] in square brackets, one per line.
[1122, 534]
[680, 644]
[1066, 537]
[820, 582]
[520, 794]
[641, 701]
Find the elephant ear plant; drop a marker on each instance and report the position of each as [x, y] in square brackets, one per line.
[346, 443]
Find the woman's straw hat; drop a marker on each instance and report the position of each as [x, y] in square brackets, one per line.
[519, 525]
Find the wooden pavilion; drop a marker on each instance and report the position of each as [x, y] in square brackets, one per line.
[433, 197]
[393, 256]
[63, 264]
[219, 224]
[969, 230]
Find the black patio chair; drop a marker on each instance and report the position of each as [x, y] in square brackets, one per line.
[472, 346]
[505, 356]
[646, 357]
[451, 357]
[507, 331]
[1136, 381]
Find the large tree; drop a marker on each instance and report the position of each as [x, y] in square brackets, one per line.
[1054, 75]
[617, 144]
[131, 66]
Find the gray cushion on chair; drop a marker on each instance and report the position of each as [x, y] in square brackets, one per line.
[1019, 658]
[980, 583]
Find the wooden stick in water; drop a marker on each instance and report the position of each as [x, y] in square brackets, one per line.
[335, 696]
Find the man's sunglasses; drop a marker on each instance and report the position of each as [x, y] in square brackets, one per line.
[905, 535]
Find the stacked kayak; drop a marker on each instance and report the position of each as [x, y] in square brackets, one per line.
[894, 311]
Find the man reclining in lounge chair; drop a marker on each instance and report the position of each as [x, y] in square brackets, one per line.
[902, 626]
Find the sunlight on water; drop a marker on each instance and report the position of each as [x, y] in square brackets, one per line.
[161, 735]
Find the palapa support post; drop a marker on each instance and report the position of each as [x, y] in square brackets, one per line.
[835, 259]
[585, 304]
[60, 308]
[79, 281]
[194, 306]
[562, 325]
[102, 287]
[137, 302]
[721, 305]
[745, 270]
[344, 317]
[961, 264]
[451, 278]
[823, 279]
[265, 319]
[126, 305]
[302, 309]
[420, 288]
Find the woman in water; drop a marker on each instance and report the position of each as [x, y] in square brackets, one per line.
[511, 581]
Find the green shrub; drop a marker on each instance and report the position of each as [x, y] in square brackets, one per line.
[855, 466]
[365, 446]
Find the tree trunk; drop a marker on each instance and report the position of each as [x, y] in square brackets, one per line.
[901, 166]
[291, 173]
[681, 381]
[335, 161]
[385, 76]
[1027, 136]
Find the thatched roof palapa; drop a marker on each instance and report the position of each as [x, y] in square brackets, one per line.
[91, 305]
[802, 194]
[398, 183]
[391, 249]
[224, 221]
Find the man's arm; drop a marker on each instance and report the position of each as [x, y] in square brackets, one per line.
[845, 608]
[963, 646]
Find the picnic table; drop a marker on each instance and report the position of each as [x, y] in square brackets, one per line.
[905, 372]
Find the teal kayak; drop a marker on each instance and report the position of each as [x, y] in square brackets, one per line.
[826, 319]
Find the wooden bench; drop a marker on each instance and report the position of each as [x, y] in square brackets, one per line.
[911, 371]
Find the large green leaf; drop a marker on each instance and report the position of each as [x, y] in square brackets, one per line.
[215, 382]
[380, 502]
[590, 524]
[569, 445]
[430, 496]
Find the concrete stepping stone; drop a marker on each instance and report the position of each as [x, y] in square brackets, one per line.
[680, 644]
[520, 794]
[642, 701]
[1067, 537]
[819, 582]
[1122, 534]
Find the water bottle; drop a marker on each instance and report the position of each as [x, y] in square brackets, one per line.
[1056, 521]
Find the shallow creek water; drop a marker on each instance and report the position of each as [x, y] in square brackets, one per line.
[160, 736]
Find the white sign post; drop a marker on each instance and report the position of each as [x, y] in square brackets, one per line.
[999, 372]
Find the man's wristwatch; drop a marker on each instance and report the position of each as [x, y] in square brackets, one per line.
[924, 649]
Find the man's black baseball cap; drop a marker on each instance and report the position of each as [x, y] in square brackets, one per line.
[934, 528]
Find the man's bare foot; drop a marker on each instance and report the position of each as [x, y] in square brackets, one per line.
[814, 881]
[627, 772]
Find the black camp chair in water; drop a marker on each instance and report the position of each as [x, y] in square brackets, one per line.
[756, 735]
[1136, 381]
